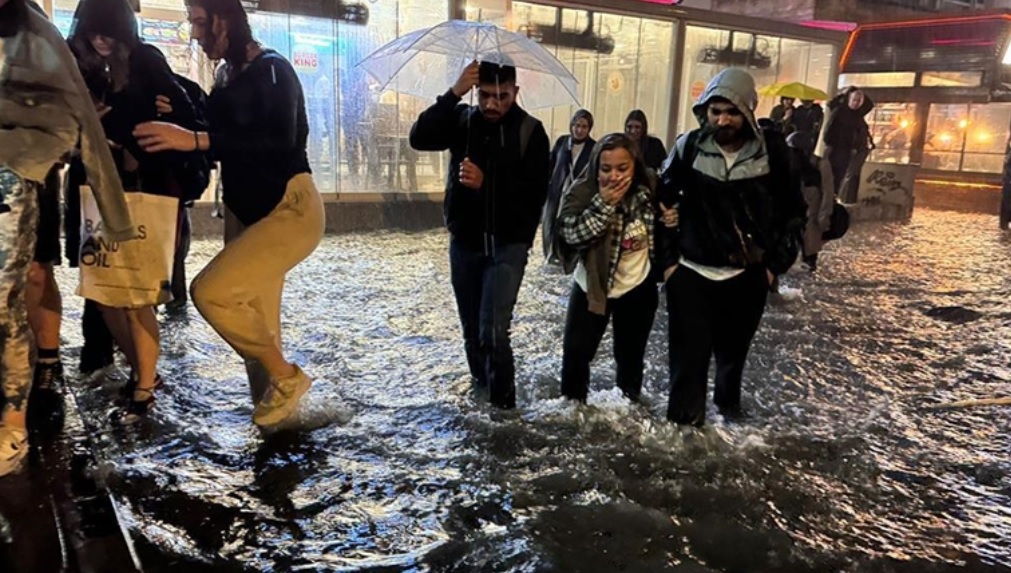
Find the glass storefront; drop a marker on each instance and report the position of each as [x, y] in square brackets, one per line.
[893, 126]
[769, 59]
[621, 62]
[967, 137]
[357, 134]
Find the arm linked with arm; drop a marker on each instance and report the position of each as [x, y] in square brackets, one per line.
[668, 251]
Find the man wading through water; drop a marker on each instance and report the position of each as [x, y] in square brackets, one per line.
[498, 180]
[740, 212]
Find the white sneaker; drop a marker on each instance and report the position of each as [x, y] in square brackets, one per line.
[281, 399]
[13, 450]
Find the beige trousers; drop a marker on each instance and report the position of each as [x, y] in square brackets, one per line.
[239, 291]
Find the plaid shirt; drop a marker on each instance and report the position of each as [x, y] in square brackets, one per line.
[581, 231]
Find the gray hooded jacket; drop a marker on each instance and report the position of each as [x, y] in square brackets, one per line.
[46, 110]
[748, 214]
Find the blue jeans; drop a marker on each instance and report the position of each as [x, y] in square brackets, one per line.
[486, 288]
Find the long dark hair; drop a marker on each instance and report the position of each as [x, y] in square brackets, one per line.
[113, 19]
[613, 141]
[18, 12]
[236, 21]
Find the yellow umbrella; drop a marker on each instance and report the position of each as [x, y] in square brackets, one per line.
[795, 90]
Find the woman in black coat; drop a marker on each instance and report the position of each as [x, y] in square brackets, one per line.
[568, 160]
[653, 151]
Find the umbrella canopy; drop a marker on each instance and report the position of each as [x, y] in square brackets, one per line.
[426, 62]
[795, 90]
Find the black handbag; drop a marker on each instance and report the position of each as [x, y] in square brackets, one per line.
[838, 224]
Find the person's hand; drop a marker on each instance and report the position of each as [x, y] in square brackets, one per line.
[155, 136]
[102, 109]
[770, 277]
[669, 216]
[471, 175]
[613, 192]
[468, 79]
[162, 105]
[667, 273]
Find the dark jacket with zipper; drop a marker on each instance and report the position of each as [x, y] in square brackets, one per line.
[751, 214]
[507, 208]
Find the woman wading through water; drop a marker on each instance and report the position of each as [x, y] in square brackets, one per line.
[258, 131]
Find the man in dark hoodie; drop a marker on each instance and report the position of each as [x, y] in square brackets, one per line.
[740, 212]
[495, 192]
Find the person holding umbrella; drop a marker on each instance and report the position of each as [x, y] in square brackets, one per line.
[498, 182]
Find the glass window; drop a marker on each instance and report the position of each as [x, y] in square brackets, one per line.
[624, 65]
[878, 80]
[892, 128]
[357, 135]
[769, 59]
[952, 79]
[970, 138]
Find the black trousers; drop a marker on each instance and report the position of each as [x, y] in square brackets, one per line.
[633, 316]
[708, 318]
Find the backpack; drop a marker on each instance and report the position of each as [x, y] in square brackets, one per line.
[194, 172]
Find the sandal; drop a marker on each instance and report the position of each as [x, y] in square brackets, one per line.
[136, 410]
[126, 392]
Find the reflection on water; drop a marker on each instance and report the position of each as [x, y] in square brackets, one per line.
[840, 468]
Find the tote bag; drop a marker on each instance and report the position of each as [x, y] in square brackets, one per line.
[133, 273]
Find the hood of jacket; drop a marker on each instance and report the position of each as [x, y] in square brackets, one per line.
[738, 87]
[734, 85]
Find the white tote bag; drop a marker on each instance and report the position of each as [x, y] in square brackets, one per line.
[134, 273]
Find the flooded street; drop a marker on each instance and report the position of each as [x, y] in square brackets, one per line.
[396, 466]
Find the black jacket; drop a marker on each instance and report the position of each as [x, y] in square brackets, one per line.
[737, 223]
[150, 76]
[653, 152]
[846, 128]
[509, 205]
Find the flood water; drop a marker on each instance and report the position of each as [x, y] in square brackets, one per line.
[396, 467]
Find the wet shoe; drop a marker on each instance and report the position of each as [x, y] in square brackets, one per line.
[13, 450]
[281, 399]
[45, 406]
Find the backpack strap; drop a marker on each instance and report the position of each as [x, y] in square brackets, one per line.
[526, 133]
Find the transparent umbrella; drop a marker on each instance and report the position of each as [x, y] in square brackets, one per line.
[425, 63]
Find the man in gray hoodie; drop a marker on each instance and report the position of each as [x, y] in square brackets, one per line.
[740, 211]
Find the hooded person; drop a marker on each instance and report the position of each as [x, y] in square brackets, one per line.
[607, 223]
[651, 149]
[847, 140]
[740, 213]
[569, 158]
[127, 78]
[46, 114]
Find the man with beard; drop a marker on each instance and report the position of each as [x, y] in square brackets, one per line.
[498, 180]
[740, 214]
